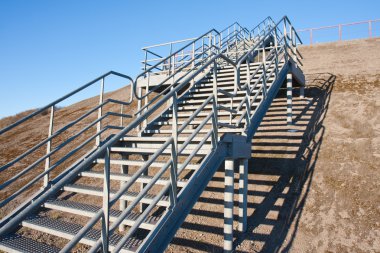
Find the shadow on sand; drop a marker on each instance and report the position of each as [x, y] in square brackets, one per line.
[283, 163]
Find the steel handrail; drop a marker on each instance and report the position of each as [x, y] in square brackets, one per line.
[55, 102]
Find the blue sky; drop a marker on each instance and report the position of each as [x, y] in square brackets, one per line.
[48, 48]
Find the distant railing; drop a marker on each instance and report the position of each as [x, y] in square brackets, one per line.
[341, 32]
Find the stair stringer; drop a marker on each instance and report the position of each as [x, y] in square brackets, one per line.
[168, 226]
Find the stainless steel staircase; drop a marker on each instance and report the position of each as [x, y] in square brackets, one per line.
[135, 182]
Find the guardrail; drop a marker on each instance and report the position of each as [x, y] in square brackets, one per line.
[340, 31]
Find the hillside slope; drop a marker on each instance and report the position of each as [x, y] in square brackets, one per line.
[315, 188]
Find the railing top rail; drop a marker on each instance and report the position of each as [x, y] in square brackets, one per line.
[55, 102]
[168, 43]
[335, 26]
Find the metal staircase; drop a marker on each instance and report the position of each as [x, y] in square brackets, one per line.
[130, 186]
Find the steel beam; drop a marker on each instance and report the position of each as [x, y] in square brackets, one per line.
[289, 96]
[243, 179]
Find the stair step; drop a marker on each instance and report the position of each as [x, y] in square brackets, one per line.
[194, 122]
[141, 163]
[129, 196]
[225, 100]
[167, 151]
[126, 177]
[90, 210]
[189, 131]
[21, 244]
[187, 114]
[151, 139]
[196, 106]
[210, 89]
[69, 230]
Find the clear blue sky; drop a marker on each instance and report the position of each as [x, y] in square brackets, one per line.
[48, 48]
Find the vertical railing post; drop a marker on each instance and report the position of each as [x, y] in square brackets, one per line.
[215, 136]
[311, 37]
[276, 51]
[48, 146]
[370, 28]
[215, 82]
[174, 153]
[170, 59]
[100, 112]
[264, 75]
[106, 198]
[139, 93]
[146, 59]
[146, 100]
[340, 31]
[203, 48]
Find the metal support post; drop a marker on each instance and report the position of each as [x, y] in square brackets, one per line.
[289, 96]
[215, 82]
[48, 146]
[106, 203]
[123, 203]
[139, 91]
[228, 205]
[99, 124]
[243, 185]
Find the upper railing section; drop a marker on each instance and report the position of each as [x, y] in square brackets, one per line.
[346, 31]
[169, 56]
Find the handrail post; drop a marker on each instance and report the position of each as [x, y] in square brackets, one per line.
[276, 51]
[170, 59]
[370, 29]
[146, 100]
[146, 59]
[100, 111]
[106, 202]
[48, 146]
[215, 136]
[311, 37]
[215, 82]
[264, 75]
[139, 91]
[174, 153]
[340, 32]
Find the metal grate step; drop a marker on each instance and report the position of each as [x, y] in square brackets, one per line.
[90, 210]
[69, 230]
[129, 196]
[18, 243]
[125, 177]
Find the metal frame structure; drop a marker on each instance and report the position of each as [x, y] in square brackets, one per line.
[273, 46]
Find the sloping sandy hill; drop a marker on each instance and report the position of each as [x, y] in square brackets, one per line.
[316, 189]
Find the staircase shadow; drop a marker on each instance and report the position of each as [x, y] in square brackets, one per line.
[280, 174]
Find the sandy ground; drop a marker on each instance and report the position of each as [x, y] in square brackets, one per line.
[317, 189]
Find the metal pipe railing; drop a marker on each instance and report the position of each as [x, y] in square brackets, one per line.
[339, 27]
